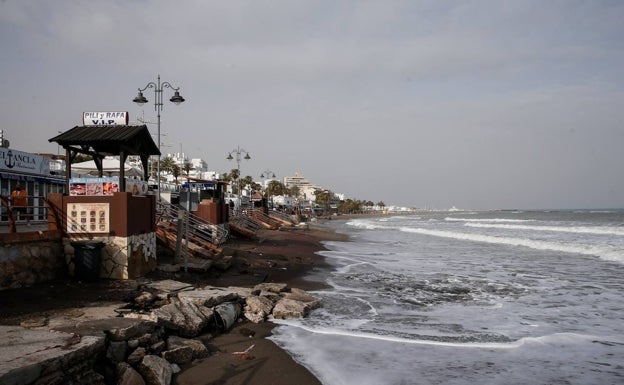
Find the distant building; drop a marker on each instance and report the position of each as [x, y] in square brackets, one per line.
[296, 180]
[179, 158]
[199, 165]
[282, 200]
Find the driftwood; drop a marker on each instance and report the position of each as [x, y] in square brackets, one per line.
[244, 355]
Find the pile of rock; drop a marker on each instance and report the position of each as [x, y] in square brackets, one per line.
[143, 342]
[170, 314]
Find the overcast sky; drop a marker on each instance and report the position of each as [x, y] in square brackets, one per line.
[473, 104]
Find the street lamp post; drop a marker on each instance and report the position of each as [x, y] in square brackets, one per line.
[238, 152]
[267, 174]
[158, 106]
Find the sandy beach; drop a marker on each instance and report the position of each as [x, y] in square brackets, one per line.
[285, 255]
[277, 256]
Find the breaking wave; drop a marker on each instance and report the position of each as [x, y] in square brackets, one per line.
[605, 252]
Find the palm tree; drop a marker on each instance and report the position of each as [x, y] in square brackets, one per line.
[166, 164]
[175, 171]
[187, 168]
[294, 191]
[276, 187]
[350, 206]
[246, 181]
[323, 198]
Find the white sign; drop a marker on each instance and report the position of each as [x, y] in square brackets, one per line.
[18, 161]
[105, 118]
[88, 217]
[136, 187]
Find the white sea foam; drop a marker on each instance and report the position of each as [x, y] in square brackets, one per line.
[451, 219]
[365, 224]
[555, 338]
[568, 339]
[602, 230]
[605, 252]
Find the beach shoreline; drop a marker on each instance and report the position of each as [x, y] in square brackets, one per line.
[290, 254]
[287, 255]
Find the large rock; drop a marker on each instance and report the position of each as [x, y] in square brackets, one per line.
[257, 308]
[289, 308]
[155, 370]
[117, 351]
[180, 355]
[272, 287]
[148, 339]
[169, 286]
[254, 317]
[302, 296]
[223, 263]
[124, 329]
[126, 375]
[274, 297]
[145, 300]
[136, 356]
[243, 292]
[209, 296]
[183, 350]
[185, 316]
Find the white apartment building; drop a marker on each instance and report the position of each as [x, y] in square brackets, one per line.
[296, 180]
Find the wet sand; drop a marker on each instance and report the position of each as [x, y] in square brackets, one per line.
[278, 256]
[286, 255]
[266, 363]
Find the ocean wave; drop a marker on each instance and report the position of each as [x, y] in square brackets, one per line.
[451, 219]
[569, 339]
[466, 341]
[602, 230]
[608, 253]
[367, 225]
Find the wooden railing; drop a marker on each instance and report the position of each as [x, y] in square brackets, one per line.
[198, 227]
[39, 211]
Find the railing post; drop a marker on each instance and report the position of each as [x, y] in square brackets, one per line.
[5, 204]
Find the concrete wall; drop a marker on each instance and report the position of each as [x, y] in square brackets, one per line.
[30, 258]
[129, 251]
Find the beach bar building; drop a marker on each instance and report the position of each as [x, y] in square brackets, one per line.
[114, 215]
[32, 172]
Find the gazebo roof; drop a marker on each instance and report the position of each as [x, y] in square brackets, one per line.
[109, 140]
[100, 141]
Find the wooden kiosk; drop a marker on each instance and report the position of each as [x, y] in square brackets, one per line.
[122, 223]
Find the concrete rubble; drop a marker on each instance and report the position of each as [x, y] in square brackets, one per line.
[142, 342]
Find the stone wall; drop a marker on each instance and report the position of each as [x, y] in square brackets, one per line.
[121, 257]
[24, 262]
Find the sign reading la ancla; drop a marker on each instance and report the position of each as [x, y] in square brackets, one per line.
[110, 118]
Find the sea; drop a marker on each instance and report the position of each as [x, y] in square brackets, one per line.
[468, 297]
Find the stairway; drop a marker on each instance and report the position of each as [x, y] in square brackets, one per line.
[247, 223]
[200, 237]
